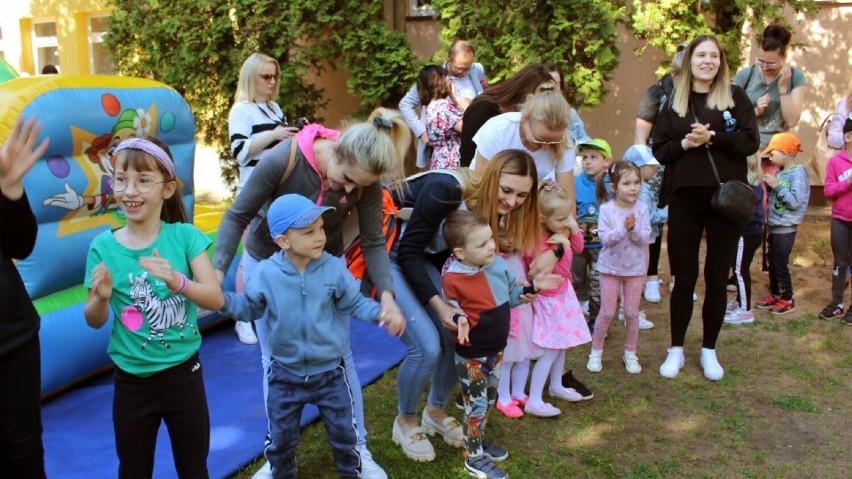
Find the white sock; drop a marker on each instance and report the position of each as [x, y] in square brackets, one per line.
[556, 371]
[503, 394]
[520, 373]
[540, 372]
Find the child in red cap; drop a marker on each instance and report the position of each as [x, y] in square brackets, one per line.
[787, 204]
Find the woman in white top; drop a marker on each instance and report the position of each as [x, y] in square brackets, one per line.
[540, 129]
[256, 123]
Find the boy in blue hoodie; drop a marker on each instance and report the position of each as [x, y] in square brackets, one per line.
[308, 296]
[596, 156]
[787, 205]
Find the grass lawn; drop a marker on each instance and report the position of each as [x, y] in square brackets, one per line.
[783, 409]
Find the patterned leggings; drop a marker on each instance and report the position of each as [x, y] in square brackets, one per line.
[478, 378]
[610, 286]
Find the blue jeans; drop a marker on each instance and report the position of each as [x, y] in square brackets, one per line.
[351, 374]
[288, 394]
[430, 348]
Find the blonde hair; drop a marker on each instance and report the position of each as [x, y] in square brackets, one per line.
[755, 173]
[550, 197]
[480, 194]
[378, 145]
[248, 77]
[719, 97]
[551, 109]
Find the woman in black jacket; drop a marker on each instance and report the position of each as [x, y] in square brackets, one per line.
[705, 114]
[21, 451]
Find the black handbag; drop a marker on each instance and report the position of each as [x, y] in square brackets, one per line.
[733, 199]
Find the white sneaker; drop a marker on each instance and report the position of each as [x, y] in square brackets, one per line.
[594, 365]
[245, 333]
[674, 361]
[652, 291]
[712, 369]
[643, 320]
[369, 468]
[739, 316]
[265, 472]
[631, 363]
[732, 305]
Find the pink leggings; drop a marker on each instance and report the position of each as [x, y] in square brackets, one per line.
[610, 286]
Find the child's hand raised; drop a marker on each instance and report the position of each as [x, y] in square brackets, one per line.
[572, 225]
[101, 281]
[463, 329]
[162, 269]
[630, 222]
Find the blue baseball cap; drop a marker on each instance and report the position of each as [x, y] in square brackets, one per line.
[292, 211]
[640, 155]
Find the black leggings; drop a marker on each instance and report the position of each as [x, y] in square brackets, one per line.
[176, 396]
[654, 253]
[841, 248]
[690, 215]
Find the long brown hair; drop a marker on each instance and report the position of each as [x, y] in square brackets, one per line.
[510, 93]
[481, 193]
[719, 97]
[617, 171]
[173, 210]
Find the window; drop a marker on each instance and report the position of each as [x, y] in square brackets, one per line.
[45, 44]
[100, 59]
[421, 8]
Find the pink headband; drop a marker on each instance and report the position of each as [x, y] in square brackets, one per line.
[148, 147]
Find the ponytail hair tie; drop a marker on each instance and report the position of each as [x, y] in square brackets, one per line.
[382, 122]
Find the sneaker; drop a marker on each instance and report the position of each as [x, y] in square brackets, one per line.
[710, 364]
[767, 302]
[369, 468]
[652, 291]
[631, 363]
[832, 311]
[459, 402]
[569, 381]
[594, 365]
[673, 363]
[482, 467]
[414, 444]
[783, 306]
[565, 394]
[512, 411]
[847, 318]
[732, 285]
[732, 305]
[495, 452]
[265, 472]
[542, 410]
[739, 316]
[643, 320]
[449, 429]
[245, 332]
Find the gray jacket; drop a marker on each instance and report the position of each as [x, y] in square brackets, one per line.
[789, 200]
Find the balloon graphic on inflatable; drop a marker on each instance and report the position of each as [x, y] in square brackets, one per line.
[59, 166]
[167, 122]
[110, 104]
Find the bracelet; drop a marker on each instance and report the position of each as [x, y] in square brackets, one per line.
[184, 285]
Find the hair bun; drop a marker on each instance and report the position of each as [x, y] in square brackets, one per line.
[778, 32]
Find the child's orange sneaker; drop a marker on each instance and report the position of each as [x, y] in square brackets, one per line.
[783, 306]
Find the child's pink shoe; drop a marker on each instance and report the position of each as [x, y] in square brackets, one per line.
[521, 401]
[511, 410]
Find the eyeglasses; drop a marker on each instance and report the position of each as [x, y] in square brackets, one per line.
[456, 71]
[269, 76]
[531, 137]
[766, 64]
[142, 185]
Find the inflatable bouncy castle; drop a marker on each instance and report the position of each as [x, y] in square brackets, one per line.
[85, 116]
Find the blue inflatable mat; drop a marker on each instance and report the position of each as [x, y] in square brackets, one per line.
[78, 431]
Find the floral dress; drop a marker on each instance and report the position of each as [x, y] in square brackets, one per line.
[441, 115]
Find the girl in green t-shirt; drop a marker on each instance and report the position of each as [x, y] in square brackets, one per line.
[152, 273]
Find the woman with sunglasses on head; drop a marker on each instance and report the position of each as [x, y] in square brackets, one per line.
[776, 89]
[706, 116]
[342, 169]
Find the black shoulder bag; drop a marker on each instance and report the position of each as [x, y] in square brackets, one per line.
[733, 199]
